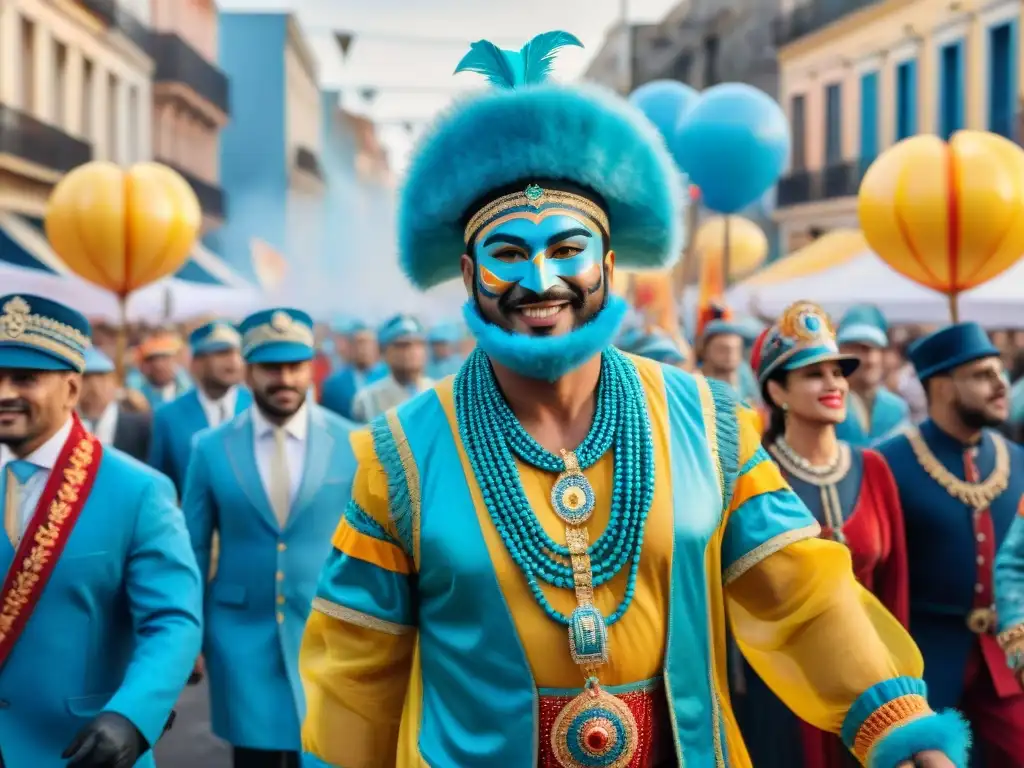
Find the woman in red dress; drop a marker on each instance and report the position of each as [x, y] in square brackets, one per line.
[852, 493]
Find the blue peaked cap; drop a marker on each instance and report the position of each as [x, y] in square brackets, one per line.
[949, 348]
[400, 327]
[217, 336]
[39, 334]
[446, 333]
[864, 324]
[97, 362]
[276, 336]
[527, 129]
[654, 345]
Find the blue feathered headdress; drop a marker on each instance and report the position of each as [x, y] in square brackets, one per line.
[528, 128]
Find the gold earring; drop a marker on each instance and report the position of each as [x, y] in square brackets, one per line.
[785, 407]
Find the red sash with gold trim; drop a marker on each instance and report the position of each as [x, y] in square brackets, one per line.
[47, 533]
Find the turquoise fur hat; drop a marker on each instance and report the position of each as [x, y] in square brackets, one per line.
[949, 348]
[277, 336]
[864, 324]
[527, 130]
[38, 334]
[217, 336]
[400, 327]
[97, 362]
[803, 336]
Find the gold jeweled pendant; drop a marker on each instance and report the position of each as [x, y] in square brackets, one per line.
[594, 730]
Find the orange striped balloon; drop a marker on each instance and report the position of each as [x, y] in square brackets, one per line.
[947, 215]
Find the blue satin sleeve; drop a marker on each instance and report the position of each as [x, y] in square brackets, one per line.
[355, 590]
[1009, 576]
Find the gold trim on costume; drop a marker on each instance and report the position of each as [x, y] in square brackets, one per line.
[17, 323]
[975, 495]
[282, 327]
[707, 410]
[766, 550]
[536, 198]
[358, 618]
[412, 479]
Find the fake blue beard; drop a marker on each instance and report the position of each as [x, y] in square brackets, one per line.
[547, 358]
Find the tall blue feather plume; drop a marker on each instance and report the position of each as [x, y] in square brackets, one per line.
[529, 65]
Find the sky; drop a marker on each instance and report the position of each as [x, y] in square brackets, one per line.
[406, 50]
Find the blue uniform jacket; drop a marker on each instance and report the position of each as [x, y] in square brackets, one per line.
[138, 382]
[889, 413]
[257, 604]
[175, 426]
[340, 388]
[117, 627]
[941, 552]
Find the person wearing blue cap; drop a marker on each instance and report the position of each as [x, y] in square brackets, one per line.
[102, 600]
[534, 564]
[960, 485]
[403, 342]
[874, 412]
[850, 491]
[272, 482]
[102, 413]
[721, 351]
[216, 398]
[653, 344]
[445, 359]
[365, 367]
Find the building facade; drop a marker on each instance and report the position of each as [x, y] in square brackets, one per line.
[75, 86]
[270, 150]
[190, 99]
[858, 76]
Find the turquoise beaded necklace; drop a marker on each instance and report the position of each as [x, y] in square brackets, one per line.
[493, 437]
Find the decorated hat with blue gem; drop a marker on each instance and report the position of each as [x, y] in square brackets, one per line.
[97, 363]
[526, 144]
[277, 336]
[39, 334]
[400, 327]
[217, 336]
[864, 324]
[949, 348]
[802, 336]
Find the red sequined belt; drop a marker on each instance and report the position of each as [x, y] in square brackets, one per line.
[595, 735]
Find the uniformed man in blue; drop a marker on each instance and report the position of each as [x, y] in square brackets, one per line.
[100, 616]
[403, 342]
[875, 413]
[160, 377]
[273, 482]
[960, 485]
[364, 367]
[217, 397]
[445, 358]
[103, 414]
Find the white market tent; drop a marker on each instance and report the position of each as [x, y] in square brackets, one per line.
[867, 279]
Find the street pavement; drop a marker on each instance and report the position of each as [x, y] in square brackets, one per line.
[190, 743]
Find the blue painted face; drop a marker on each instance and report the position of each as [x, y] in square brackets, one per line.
[538, 252]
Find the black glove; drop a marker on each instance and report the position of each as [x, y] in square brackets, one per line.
[109, 741]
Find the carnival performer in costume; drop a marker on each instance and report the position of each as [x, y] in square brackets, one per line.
[102, 600]
[849, 490]
[960, 485]
[535, 562]
[874, 413]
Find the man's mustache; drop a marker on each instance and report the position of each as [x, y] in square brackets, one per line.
[518, 297]
[14, 406]
[275, 390]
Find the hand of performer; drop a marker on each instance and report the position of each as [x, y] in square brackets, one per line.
[930, 759]
[109, 741]
[198, 670]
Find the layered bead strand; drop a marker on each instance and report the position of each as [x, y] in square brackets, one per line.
[493, 437]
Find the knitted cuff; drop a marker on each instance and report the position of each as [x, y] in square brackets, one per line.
[946, 732]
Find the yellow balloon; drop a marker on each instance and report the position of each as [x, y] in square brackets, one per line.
[123, 229]
[748, 246]
[949, 216]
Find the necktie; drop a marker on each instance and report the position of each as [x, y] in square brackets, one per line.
[16, 475]
[280, 481]
[222, 412]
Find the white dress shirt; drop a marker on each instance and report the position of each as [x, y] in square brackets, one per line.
[45, 457]
[296, 431]
[218, 411]
[106, 425]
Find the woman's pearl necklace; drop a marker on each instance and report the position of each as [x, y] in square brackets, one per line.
[802, 466]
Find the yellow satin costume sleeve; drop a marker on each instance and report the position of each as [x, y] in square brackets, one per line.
[816, 637]
[358, 646]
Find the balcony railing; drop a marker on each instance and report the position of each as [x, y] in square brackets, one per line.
[830, 183]
[23, 136]
[306, 160]
[179, 62]
[212, 199]
[812, 15]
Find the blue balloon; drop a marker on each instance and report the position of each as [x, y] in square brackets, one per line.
[665, 103]
[734, 144]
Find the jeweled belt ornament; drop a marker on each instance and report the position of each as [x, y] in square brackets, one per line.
[596, 729]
